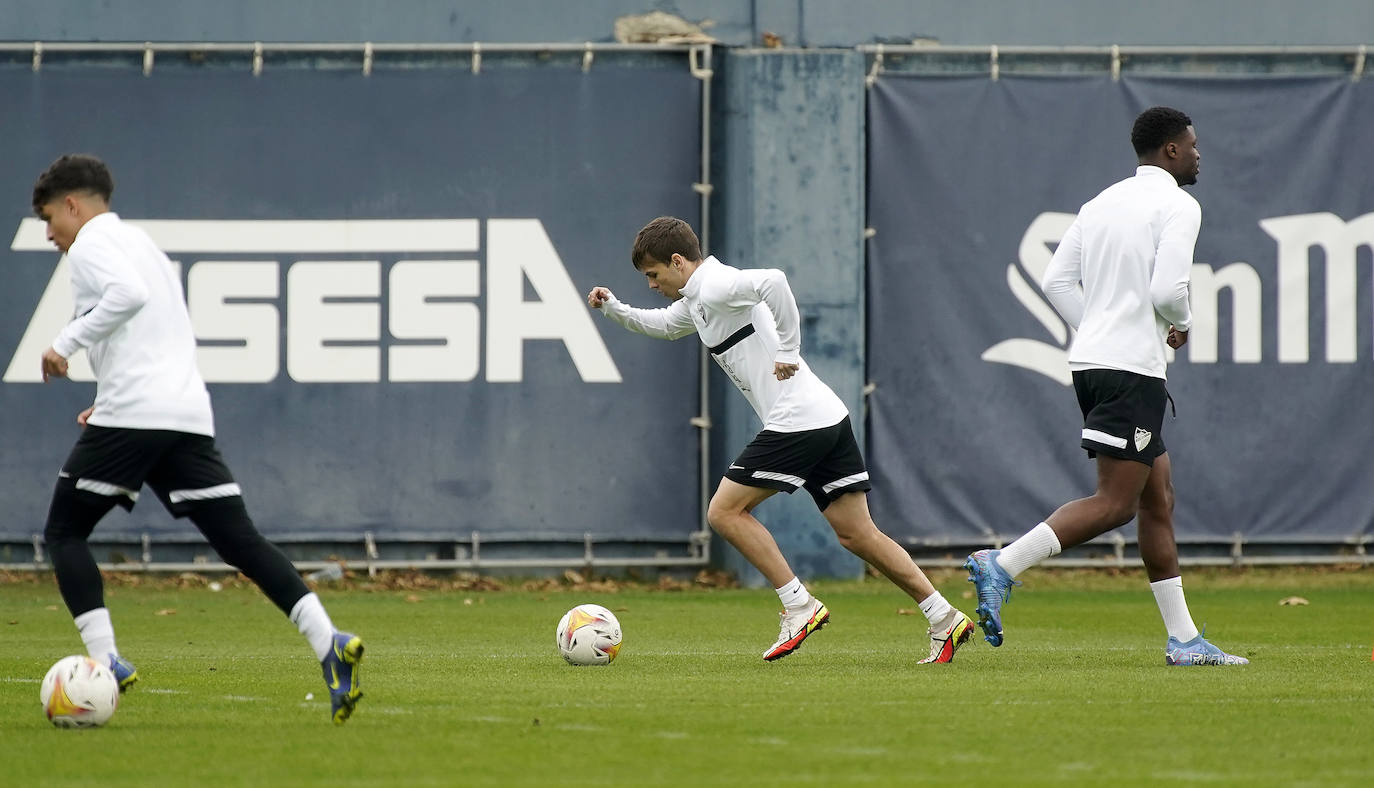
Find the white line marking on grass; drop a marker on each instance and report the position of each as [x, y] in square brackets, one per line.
[859, 750]
[9, 680]
[672, 735]
[162, 692]
[245, 699]
[769, 740]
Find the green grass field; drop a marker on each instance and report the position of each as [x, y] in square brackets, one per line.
[466, 688]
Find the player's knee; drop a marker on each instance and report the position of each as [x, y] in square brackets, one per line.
[853, 534]
[72, 516]
[1119, 511]
[1158, 505]
[719, 515]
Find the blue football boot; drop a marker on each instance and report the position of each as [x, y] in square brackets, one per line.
[341, 673]
[994, 589]
[124, 672]
[1198, 652]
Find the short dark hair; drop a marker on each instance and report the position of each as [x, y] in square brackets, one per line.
[1156, 126]
[661, 239]
[74, 172]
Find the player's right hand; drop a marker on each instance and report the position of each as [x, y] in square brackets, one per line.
[54, 365]
[84, 415]
[599, 296]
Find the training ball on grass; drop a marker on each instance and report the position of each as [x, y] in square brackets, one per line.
[79, 692]
[588, 635]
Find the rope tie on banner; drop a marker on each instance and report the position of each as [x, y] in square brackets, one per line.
[37, 55]
[875, 69]
[476, 57]
[147, 58]
[1116, 62]
[587, 57]
[1354, 76]
[993, 60]
[257, 58]
[367, 59]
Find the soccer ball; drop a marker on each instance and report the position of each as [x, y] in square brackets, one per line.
[79, 692]
[588, 635]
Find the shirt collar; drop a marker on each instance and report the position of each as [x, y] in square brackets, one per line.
[693, 284]
[1151, 171]
[102, 218]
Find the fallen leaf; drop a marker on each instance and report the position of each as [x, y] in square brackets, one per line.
[166, 611]
[1293, 600]
[966, 595]
[412, 598]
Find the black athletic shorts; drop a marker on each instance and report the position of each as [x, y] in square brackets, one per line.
[1123, 413]
[182, 468]
[827, 462]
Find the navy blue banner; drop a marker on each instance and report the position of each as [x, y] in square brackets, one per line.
[974, 429]
[386, 274]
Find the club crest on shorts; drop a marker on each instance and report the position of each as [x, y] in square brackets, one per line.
[1142, 439]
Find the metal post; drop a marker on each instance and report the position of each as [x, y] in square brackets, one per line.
[699, 61]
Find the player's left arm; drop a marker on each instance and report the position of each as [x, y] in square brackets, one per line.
[122, 294]
[769, 285]
[1173, 269]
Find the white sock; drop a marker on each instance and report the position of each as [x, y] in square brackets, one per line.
[1174, 608]
[1038, 544]
[794, 595]
[309, 617]
[936, 608]
[98, 634]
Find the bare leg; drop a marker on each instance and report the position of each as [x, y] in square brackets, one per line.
[730, 514]
[857, 532]
[1155, 522]
[1120, 484]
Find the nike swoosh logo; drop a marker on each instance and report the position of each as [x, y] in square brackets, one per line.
[736, 467]
[334, 680]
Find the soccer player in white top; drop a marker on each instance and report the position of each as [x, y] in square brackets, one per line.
[1131, 250]
[151, 423]
[749, 321]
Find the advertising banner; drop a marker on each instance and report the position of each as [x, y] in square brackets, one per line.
[974, 428]
[386, 274]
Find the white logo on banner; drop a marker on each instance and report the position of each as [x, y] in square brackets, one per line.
[333, 308]
[1049, 360]
[1296, 236]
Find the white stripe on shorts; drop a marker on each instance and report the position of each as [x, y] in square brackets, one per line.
[795, 481]
[205, 493]
[845, 482]
[1104, 438]
[105, 488]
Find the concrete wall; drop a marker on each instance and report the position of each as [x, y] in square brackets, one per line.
[789, 173]
[806, 23]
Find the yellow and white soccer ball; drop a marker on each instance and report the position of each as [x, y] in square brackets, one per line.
[79, 692]
[588, 635]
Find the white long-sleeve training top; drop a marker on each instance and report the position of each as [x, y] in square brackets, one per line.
[131, 318]
[749, 320]
[1131, 247]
